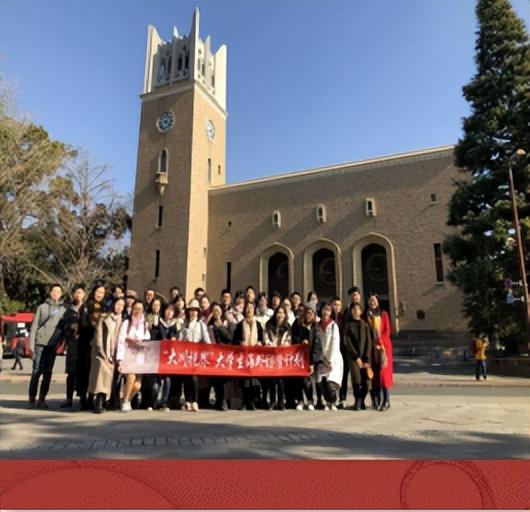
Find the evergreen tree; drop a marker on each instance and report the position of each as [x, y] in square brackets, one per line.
[499, 96]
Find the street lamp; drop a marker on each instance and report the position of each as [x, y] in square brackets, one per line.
[519, 153]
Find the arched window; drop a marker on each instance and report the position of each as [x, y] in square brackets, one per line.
[324, 274]
[162, 70]
[162, 161]
[278, 274]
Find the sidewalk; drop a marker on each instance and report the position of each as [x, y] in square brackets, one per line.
[408, 372]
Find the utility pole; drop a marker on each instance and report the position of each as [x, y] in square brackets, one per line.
[519, 241]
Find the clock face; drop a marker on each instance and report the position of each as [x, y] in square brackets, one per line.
[165, 122]
[210, 130]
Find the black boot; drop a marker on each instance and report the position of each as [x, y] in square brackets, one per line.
[384, 406]
[99, 403]
[357, 396]
[376, 402]
[87, 404]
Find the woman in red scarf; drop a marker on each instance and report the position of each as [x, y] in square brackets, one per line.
[380, 323]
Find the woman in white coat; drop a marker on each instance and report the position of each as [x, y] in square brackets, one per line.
[329, 373]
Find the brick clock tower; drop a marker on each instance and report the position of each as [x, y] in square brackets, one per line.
[181, 155]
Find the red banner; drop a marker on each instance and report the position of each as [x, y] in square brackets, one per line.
[185, 358]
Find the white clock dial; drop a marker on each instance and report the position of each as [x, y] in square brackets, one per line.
[165, 122]
[210, 130]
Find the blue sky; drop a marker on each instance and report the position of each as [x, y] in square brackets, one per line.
[309, 83]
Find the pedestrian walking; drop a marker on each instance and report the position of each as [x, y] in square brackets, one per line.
[479, 346]
[19, 353]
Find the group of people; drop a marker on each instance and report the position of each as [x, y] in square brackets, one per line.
[344, 343]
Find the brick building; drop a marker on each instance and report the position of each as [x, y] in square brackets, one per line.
[377, 223]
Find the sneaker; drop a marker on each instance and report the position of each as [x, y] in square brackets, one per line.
[126, 406]
[334, 407]
[326, 408]
[310, 407]
[195, 407]
[165, 409]
[188, 406]
[300, 407]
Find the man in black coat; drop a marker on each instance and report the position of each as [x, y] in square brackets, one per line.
[358, 349]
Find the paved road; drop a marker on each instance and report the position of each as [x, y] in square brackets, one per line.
[433, 416]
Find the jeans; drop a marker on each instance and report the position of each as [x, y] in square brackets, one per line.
[43, 361]
[480, 368]
[18, 361]
[164, 382]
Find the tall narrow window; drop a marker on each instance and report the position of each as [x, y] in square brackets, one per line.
[438, 263]
[209, 169]
[169, 66]
[219, 170]
[179, 63]
[157, 264]
[162, 70]
[162, 161]
[187, 65]
[229, 275]
[160, 215]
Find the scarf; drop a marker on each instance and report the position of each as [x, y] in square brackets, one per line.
[135, 323]
[374, 319]
[324, 323]
[250, 333]
[113, 335]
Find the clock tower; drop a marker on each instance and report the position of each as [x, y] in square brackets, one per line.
[181, 155]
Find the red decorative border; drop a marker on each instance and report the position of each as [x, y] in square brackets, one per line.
[264, 484]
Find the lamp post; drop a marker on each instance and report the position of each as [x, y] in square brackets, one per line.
[519, 241]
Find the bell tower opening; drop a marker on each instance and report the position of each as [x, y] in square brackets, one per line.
[182, 139]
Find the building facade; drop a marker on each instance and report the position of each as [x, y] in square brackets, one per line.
[378, 223]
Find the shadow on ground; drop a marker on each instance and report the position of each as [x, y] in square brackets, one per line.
[143, 435]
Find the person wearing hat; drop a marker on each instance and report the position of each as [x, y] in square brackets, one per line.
[249, 332]
[194, 330]
[130, 299]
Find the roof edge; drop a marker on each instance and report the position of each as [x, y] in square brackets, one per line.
[352, 165]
